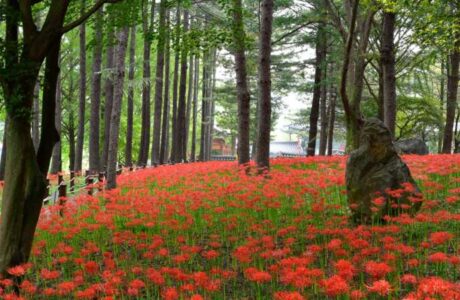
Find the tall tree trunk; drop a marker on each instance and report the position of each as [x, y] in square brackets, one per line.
[122, 43]
[321, 48]
[3, 157]
[82, 99]
[204, 107]
[130, 111]
[188, 112]
[452, 92]
[441, 103]
[387, 53]
[164, 147]
[242, 89]
[174, 144]
[195, 106]
[180, 155]
[380, 108]
[331, 119]
[212, 103]
[146, 87]
[323, 114]
[159, 85]
[265, 49]
[109, 91]
[36, 117]
[71, 133]
[94, 159]
[56, 165]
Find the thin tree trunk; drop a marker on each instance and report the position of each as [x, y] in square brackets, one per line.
[331, 119]
[122, 43]
[189, 105]
[180, 155]
[109, 91]
[212, 103]
[82, 98]
[204, 106]
[71, 132]
[56, 165]
[146, 87]
[159, 86]
[174, 144]
[164, 147]
[441, 104]
[321, 45]
[195, 107]
[387, 53]
[94, 160]
[265, 48]
[36, 117]
[130, 111]
[242, 89]
[452, 92]
[323, 115]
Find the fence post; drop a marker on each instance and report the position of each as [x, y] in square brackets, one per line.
[100, 179]
[72, 181]
[88, 182]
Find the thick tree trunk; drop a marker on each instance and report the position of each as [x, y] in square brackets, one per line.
[3, 157]
[174, 144]
[265, 49]
[94, 159]
[146, 87]
[387, 53]
[159, 86]
[380, 103]
[164, 147]
[242, 89]
[195, 106]
[36, 117]
[130, 110]
[321, 46]
[82, 99]
[452, 92]
[323, 115]
[56, 165]
[180, 155]
[109, 91]
[122, 43]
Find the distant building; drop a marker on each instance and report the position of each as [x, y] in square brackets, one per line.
[289, 148]
[220, 147]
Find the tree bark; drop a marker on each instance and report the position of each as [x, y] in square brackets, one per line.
[441, 103]
[146, 87]
[331, 119]
[174, 144]
[94, 159]
[195, 106]
[109, 91]
[242, 89]
[321, 45]
[387, 53]
[3, 157]
[122, 43]
[82, 99]
[159, 85]
[56, 165]
[180, 155]
[130, 110]
[164, 147]
[323, 114]
[36, 117]
[264, 126]
[188, 112]
[452, 92]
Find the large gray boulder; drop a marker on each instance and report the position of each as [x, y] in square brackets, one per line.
[378, 182]
[411, 146]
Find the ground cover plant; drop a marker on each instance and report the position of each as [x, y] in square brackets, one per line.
[209, 231]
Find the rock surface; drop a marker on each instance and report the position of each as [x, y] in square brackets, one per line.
[378, 182]
[411, 146]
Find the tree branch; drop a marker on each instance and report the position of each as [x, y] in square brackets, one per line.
[336, 19]
[293, 31]
[25, 6]
[86, 15]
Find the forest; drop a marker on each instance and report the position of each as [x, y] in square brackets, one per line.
[171, 108]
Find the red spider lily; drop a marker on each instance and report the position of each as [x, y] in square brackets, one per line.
[380, 287]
